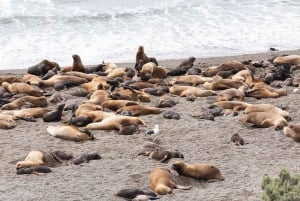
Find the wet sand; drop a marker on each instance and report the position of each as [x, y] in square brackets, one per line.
[200, 141]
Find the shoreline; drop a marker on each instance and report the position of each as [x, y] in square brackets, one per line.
[171, 63]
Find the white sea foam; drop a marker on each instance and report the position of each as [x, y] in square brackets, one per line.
[32, 30]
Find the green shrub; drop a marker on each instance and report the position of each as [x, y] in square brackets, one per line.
[284, 188]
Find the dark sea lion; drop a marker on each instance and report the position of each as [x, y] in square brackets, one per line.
[80, 121]
[34, 170]
[129, 129]
[54, 115]
[131, 193]
[237, 140]
[164, 156]
[171, 115]
[166, 101]
[183, 67]
[85, 158]
[162, 183]
[43, 67]
[202, 171]
[157, 91]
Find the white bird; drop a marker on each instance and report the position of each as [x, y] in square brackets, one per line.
[153, 131]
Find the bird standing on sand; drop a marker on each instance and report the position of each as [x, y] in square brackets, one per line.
[153, 131]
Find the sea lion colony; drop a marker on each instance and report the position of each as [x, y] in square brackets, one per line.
[116, 98]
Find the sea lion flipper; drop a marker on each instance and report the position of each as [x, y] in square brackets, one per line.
[183, 187]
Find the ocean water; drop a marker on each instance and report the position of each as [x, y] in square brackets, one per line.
[97, 30]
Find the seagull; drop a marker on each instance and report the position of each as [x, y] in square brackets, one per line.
[153, 131]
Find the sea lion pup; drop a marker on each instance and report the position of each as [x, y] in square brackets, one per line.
[37, 112]
[164, 156]
[129, 129]
[194, 71]
[27, 101]
[171, 115]
[130, 94]
[157, 91]
[208, 113]
[56, 98]
[43, 67]
[193, 80]
[137, 110]
[70, 132]
[31, 79]
[202, 171]
[223, 84]
[237, 140]
[34, 170]
[85, 158]
[267, 108]
[162, 183]
[166, 101]
[293, 131]
[265, 120]
[131, 193]
[232, 105]
[115, 123]
[189, 90]
[149, 147]
[7, 121]
[9, 79]
[231, 94]
[228, 66]
[96, 84]
[54, 115]
[98, 97]
[22, 88]
[290, 59]
[115, 105]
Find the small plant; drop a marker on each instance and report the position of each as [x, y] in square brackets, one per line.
[284, 188]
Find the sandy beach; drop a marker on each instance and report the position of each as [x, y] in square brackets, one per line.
[200, 141]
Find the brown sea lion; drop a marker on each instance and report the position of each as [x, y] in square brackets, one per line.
[98, 97]
[261, 90]
[77, 65]
[164, 156]
[241, 75]
[228, 66]
[137, 110]
[31, 79]
[267, 108]
[115, 105]
[293, 131]
[115, 123]
[290, 59]
[232, 105]
[9, 79]
[96, 84]
[223, 84]
[70, 132]
[7, 121]
[231, 94]
[141, 58]
[28, 101]
[265, 120]
[17, 88]
[149, 147]
[130, 94]
[237, 140]
[189, 90]
[64, 80]
[37, 112]
[54, 115]
[193, 80]
[162, 183]
[43, 67]
[85, 107]
[202, 171]
[117, 72]
[86, 76]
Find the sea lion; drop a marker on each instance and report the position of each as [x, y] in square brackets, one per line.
[115, 105]
[115, 123]
[54, 115]
[70, 132]
[228, 66]
[183, 67]
[137, 110]
[141, 57]
[77, 65]
[85, 158]
[130, 94]
[98, 97]
[166, 101]
[162, 183]
[171, 115]
[42, 68]
[232, 105]
[31, 79]
[117, 72]
[237, 140]
[96, 84]
[80, 121]
[189, 90]
[7, 121]
[149, 147]
[9, 79]
[86, 107]
[293, 131]
[34, 170]
[56, 98]
[262, 90]
[64, 80]
[18, 88]
[86, 76]
[231, 94]
[223, 84]
[193, 80]
[164, 156]
[157, 91]
[131, 193]
[290, 59]
[28, 101]
[241, 75]
[129, 129]
[265, 120]
[37, 112]
[194, 71]
[202, 171]
[267, 108]
[208, 113]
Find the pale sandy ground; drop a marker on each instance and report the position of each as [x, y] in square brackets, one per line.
[200, 141]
